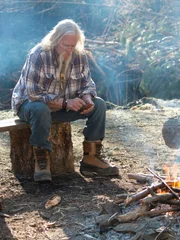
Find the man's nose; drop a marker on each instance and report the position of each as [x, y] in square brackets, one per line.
[70, 49]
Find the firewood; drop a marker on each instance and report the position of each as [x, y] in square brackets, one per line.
[142, 178]
[177, 190]
[106, 220]
[142, 210]
[121, 198]
[170, 202]
[143, 193]
[157, 198]
[161, 211]
[132, 216]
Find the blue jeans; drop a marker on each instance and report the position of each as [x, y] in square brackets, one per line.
[40, 118]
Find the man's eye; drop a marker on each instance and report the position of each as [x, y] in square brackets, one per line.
[68, 46]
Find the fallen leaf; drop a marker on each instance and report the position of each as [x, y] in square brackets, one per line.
[55, 200]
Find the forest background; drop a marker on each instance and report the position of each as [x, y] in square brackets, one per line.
[135, 44]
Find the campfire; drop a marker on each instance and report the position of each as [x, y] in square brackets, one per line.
[160, 198]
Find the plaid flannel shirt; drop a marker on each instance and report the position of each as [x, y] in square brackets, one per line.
[40, 80]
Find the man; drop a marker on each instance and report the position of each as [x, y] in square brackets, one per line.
[55, 84]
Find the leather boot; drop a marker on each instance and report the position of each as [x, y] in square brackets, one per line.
[93, 163]
[42, 165]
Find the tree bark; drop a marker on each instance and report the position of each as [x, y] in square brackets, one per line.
[21, 152]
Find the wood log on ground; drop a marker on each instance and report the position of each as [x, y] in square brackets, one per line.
[133, 215]
[140, 177]
[21, 151]
[108, 219]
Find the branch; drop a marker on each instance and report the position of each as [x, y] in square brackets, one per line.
[112, 104]
[157, 198]
[143, 193]
[102, 42]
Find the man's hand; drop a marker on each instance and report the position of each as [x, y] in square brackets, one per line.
[89, 105]
[55, 104]
[85, 105]
[75, 104]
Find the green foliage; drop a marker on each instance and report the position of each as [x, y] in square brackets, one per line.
[150, 35]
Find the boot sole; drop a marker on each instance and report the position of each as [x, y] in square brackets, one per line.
[42, 177]
[96, 174]
[88, 174]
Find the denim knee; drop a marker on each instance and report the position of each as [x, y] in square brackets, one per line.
[100, 104]
[40, 111]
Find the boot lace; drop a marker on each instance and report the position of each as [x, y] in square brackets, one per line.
[41, 158]
[100, 154]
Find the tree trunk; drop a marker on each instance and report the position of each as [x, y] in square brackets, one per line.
[62, 160]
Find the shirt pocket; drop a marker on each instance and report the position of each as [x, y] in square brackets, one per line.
[49, 82]
[77, 77]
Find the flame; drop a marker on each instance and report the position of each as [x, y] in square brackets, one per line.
[172, 175]
[167, 170]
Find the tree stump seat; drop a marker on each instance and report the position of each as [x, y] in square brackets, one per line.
[21, 152]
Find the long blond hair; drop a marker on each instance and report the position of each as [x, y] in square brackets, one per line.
[64, 27]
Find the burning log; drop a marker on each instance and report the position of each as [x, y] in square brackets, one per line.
[170, 189]
[151, 190]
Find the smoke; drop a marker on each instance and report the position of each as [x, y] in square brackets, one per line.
[19, 32]
[16, 40]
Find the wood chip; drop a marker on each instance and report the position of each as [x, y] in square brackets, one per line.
[52, 202]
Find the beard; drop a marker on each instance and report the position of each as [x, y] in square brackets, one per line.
[64, 59]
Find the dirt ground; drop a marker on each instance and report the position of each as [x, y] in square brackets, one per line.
[133, 142]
